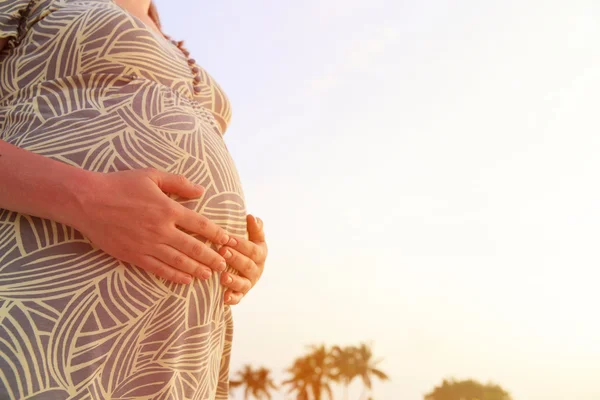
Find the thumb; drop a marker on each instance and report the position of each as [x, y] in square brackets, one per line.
[255, 229]
[176, 184]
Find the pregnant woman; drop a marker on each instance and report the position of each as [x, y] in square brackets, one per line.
[123, 232]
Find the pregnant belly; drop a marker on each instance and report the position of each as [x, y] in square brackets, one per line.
[92, 318]
[133, 124]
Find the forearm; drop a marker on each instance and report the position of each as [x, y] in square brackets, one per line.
[37, 185]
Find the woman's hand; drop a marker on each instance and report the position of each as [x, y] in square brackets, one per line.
[127, 215]
[247, 257]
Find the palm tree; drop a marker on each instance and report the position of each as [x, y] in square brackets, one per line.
[245, 378]
[263, 384]
[301, 377]
[345, 365]
[312, 373]
[258, 382]
[367, 366]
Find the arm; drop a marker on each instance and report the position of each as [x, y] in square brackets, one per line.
[36, 185]
[126, 213]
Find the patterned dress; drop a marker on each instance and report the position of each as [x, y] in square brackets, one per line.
[86, 83]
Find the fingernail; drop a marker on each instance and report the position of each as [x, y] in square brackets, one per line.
[228, 280]
[232, 242]
[206, 274]
[228, 299]
[227, 254]
[225, 239]
[222, 266]
[199, 187]
[186, 280]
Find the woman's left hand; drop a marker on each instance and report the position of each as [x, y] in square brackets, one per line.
[248, 258]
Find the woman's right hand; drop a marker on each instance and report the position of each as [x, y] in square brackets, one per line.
[128, 215]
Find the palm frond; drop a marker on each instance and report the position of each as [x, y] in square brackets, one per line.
[380, 374]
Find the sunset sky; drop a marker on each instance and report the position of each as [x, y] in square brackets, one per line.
[428, 176]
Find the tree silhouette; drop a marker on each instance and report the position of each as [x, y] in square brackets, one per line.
[301, 378]
[312, 374]
[344, 365]
[367, 366]
[258, 383]
[263, 384]
[245, 378]
[467, 390]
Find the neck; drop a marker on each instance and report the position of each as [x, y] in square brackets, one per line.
[139, 8]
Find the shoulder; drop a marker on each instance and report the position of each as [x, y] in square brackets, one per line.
[17, 17]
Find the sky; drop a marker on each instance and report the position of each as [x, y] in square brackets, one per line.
[428, 176]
